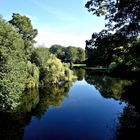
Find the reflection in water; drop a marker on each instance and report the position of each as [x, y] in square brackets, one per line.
[130, 119]
[122, 90]
[80, 73]
[109, 87]
[99, 107]
[12, 124]
[33, 103]
[129, 124]
[51, 95]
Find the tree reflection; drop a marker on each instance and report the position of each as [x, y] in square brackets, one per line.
[122, 90]
[130, 119]
[32, 103]
[51, 96]
[129, 124]
[12, 125]
[109, 87]
[80, 73]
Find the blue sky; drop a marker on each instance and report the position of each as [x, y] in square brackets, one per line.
[64, 22]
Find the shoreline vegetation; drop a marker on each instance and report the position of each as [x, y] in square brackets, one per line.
[24, 67]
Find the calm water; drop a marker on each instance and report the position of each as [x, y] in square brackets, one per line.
[91, 108]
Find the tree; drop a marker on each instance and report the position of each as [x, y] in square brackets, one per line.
[24, 27]
[12, 66]
[55, 71]
[58, 51]
[80, 55]
[40, 56]
[68, 54]
[100, 47]
[122, 29]
[71, 54]
[126, 58]
[123, 15]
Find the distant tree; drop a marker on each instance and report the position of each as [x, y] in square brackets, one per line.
[68, 54]
[40, 56]
[58, 51]
[80, 55]
[71, 54]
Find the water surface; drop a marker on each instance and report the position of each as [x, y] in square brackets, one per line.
[91, 108]
[84, 114]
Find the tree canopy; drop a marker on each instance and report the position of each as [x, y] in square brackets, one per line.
[122, 15]
[121, 31]
[12, 66]
[24, 27]
[68, 54]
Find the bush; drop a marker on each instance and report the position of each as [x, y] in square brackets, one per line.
[32, 76]
[56, 71]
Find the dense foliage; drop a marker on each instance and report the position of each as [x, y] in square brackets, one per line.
[24, 27]
[117, 46]
[68, 54]
[23, 67]
[12, 66]
[55, 71]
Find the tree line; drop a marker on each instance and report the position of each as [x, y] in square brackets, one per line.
[68, 54]
[22, 66]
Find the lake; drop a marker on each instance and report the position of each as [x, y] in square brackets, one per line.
[95, 107]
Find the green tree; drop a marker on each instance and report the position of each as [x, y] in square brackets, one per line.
[32, 80]
[68, 54]
[42, 54]
[80, 55]
[12, 66]
[24, 27]
[58, 51]
[99, 49]
[71, 54]
[55, 71]
[126, 58]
